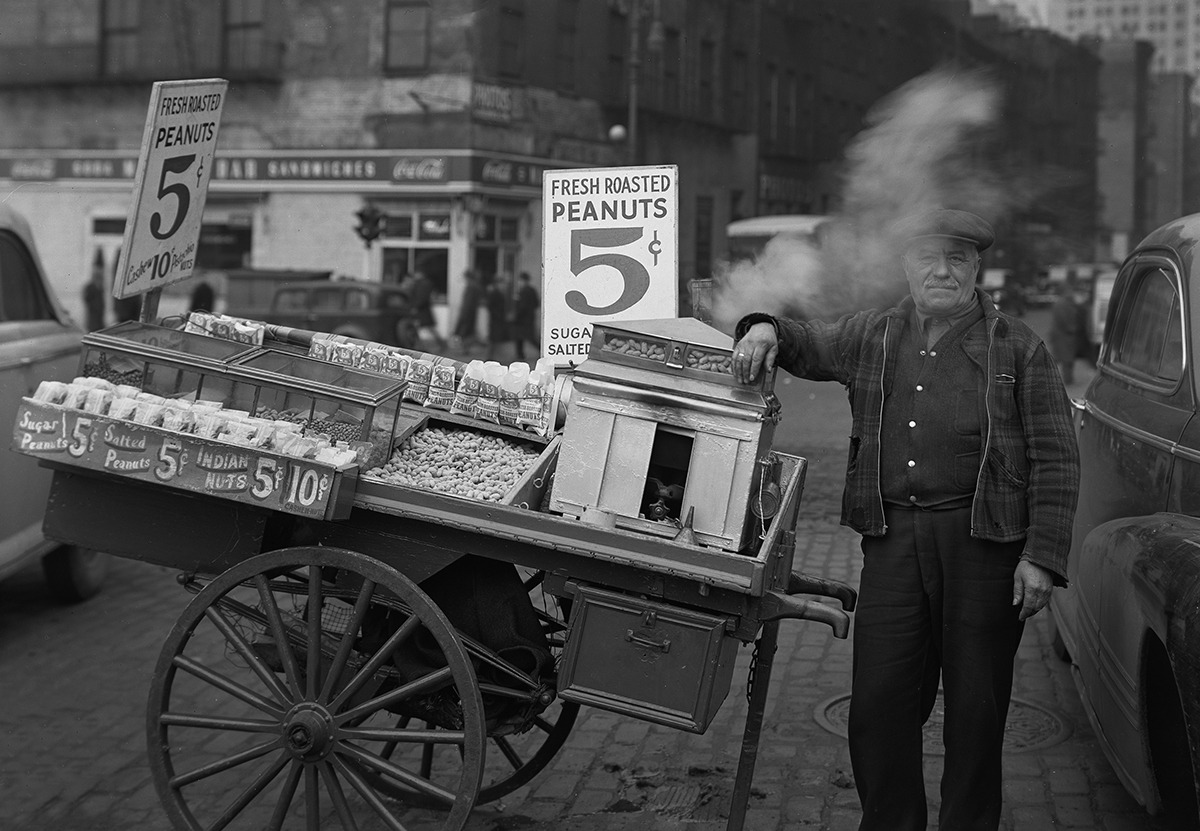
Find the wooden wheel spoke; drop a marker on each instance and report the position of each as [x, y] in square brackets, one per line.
[241, 725]
[381, 657]
[227, 684]
[312, 799]
[312, 658]
[368, 793]
[248, 795]
[338, 797]
[182, 780]
[427, 683]
[338, 665]
[285, 796]
[234, 637]
[395, 736]
[421, 784]
[505, 692]
[509, 752]
[282, 642]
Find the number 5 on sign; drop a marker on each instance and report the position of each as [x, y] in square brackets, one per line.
[610, 251]
[171, 185]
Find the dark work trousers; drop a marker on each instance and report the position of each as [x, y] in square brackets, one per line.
[932, 599]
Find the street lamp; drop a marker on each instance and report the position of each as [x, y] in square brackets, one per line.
[654, 42]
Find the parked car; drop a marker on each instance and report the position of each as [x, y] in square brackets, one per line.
[1130, 620]
[357, 309]
[38, 342]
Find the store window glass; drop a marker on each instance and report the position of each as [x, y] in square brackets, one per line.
[243, 35]
[434, 227]
[406, 46]
[1151, 339]
[119, 37]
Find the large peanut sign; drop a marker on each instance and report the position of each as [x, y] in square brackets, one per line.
[610, 251]
[171, 185]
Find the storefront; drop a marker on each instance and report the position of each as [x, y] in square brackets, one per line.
[443, 213]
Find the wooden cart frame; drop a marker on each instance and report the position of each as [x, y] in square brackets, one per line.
[279, 692]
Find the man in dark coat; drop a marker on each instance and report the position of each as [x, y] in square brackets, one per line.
[525, 317]
[963, 477]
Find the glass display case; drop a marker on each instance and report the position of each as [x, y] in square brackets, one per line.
[159, 360]
[339, 402]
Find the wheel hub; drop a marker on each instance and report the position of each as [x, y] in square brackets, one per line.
[308, 732]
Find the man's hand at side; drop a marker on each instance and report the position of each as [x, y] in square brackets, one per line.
[1031, 588]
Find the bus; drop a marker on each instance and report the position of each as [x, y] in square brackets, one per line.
[748, 237]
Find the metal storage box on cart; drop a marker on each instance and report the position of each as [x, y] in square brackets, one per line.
[677, 663]
[660, 435]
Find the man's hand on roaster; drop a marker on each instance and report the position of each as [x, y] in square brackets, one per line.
[757, 349]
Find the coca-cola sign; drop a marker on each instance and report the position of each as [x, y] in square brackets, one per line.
[419, 169]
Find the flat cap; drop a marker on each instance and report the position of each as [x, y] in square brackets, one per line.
[944, 222]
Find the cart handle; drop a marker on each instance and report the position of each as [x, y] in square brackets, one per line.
[776, 606]
[800, 583]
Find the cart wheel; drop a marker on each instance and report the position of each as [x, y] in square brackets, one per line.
[513, 759]
[280, 678]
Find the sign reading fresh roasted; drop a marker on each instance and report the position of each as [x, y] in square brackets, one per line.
[171, 184]
[609, 252]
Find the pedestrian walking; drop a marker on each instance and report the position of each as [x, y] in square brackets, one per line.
[468, 310]
[498, 315]
[203, 298]
[93, 300]
[1066, 323]
[962, 480]
[420, 294]
[525, 317]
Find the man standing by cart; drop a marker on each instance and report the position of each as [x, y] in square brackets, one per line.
[962, 479]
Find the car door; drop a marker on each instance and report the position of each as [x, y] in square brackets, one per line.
[37, 343]
[1137, 410]
[289, 307]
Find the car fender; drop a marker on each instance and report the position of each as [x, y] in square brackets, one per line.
[1149, 583]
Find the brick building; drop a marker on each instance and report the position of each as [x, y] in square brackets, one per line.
[444, 115]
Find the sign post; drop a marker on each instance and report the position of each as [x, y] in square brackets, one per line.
[610, 251]
[174, 167]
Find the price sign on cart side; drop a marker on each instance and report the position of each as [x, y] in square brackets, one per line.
[609, 252]
[171, 185]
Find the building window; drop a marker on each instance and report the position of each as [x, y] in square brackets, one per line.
[512, 42]
[406, 48]
[739, 93]
[243, 34]
[568, 13]
[617, 34]
[771, 105]
[671, 60]
[708, 69]
[704, 235]
[791, 103]
[118, 37]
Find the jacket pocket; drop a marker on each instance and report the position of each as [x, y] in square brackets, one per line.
[852, 458]
[966, 470]
[967, 418]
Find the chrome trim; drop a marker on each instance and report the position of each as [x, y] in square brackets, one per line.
[1143, 436]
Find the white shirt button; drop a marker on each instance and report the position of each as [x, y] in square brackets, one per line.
[933, 354]
[911, 463]
[919, 388]
[922, 351]
[912, 499]
[912, 424]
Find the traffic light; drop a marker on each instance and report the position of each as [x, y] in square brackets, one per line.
[371, 221]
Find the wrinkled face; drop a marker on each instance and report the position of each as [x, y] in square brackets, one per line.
[941, 274]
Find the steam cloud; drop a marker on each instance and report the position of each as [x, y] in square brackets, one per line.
[922, 149]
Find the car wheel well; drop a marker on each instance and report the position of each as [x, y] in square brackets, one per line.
[1166, 735]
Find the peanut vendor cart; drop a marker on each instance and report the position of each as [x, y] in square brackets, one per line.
[400, 600]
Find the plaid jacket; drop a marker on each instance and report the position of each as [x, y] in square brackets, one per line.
[1029, 470]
